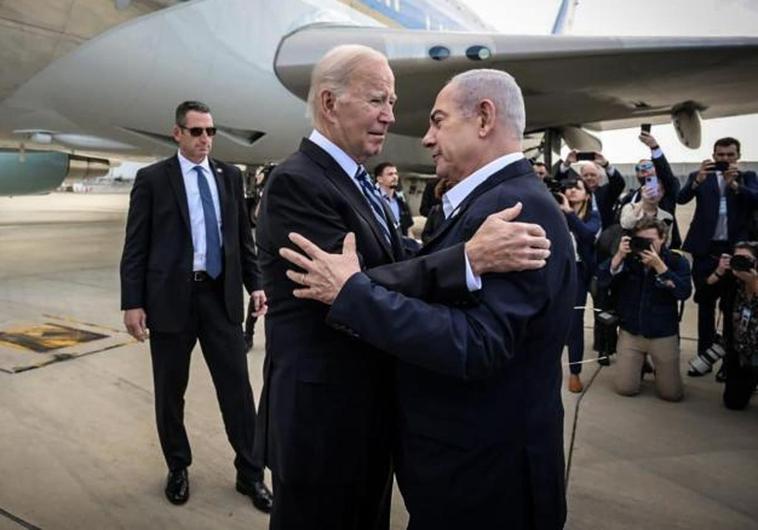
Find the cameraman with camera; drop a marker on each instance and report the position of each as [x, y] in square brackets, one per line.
[738, 278]
[726, 198]
[647, 281]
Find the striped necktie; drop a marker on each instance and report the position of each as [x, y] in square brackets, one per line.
[374, 200]
[212, 240]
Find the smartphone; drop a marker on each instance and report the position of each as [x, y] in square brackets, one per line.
[645, 127]
[720, 166]
[585, 155]
[651, 184]
[640, 244]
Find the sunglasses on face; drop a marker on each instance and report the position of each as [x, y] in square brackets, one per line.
[644, 166]
[198, 131]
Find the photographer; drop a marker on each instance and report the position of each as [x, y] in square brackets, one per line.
[649, 205]
[656, 169]
[584, 225]
[594, 168]
[648, 280]
[739, 278]
[726, 198]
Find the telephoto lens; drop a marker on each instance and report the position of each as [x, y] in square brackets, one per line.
[703, 363]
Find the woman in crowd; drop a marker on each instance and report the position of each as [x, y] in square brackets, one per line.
[584, 225]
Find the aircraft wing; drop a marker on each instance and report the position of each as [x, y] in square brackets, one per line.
[595, 82]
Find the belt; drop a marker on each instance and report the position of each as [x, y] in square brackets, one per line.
[201, 276]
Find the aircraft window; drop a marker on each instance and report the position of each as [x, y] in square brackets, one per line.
[439, 53]
[478, 53]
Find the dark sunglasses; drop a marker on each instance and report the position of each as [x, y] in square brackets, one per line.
[198, 131]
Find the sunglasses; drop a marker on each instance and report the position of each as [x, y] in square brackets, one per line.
[644, 166]
[198, 131]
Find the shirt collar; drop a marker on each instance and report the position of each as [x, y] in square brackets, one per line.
[187, 165]
[458, 193]
[347, 164]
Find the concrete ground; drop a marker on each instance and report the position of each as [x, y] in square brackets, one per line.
[78, 447]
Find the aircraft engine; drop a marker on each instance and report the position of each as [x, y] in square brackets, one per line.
[34, 172]
[686, 121]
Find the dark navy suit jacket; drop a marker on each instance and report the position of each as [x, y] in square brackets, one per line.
[739, 208]
[478, 385]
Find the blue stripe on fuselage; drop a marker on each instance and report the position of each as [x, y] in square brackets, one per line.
[415, 14]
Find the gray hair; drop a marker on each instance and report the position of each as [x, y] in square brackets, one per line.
[497, 86]
[334, 70]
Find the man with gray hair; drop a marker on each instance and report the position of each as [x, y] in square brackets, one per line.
[480, 418]
[327, 401]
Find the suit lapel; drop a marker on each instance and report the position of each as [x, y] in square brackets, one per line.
[180, 192]
[344, 183]
[510, 171]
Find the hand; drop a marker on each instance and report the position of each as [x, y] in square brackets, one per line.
[650, 258]
[259, 301]
[564, 205]
[135, 321]
[571, 157]
[731, 177]
[648, 195]
[325, 274]
[649, 140]
[600, 159]
[500, 245]
[706, 166]
[723, 265]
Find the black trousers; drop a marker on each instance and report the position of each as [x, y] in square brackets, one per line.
[707, 296]
[359, 506]
[741, 381]
[224, 352]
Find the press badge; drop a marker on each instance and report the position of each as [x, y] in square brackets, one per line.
[747, 314]
[722, 206]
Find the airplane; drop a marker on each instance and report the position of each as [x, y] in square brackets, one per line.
[113, 95]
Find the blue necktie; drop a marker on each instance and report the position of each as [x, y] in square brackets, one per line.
[374, 200]
[212, 242]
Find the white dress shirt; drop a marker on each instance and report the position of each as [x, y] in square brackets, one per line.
[195, 206]
[458, 193]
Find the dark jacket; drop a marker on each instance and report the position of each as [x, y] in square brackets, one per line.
[645, 304]
[478, 386]
[585, 232]
[740, 207]
[156, 264]
[327, 397]
[605, 195]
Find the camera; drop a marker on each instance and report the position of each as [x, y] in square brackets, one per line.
[720, 166]
[639, 244]
[555, 187]
[703, 363]
[741, 263]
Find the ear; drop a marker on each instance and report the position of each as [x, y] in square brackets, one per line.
[176, 132]
[487, 113]
[327, 102]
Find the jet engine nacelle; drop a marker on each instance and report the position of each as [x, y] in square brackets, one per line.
[35, 172]
[686, 121]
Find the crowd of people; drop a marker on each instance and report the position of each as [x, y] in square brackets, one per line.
[439, 365]
[633, 262]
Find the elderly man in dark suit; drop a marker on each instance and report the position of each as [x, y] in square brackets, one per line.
[187, 253]
[725, 199]
[480, 440]
[327, 399]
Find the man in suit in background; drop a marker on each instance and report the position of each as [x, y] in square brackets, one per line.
[478, 384]
[327, 397]
[387, 181]
[187, 253]
[725, 200]
[604, 196]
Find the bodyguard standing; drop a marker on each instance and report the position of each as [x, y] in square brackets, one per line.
[187, 253]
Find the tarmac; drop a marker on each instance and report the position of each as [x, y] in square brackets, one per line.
[79, 449]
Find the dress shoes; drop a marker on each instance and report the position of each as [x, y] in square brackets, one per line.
[258, 493]
[177, 486]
